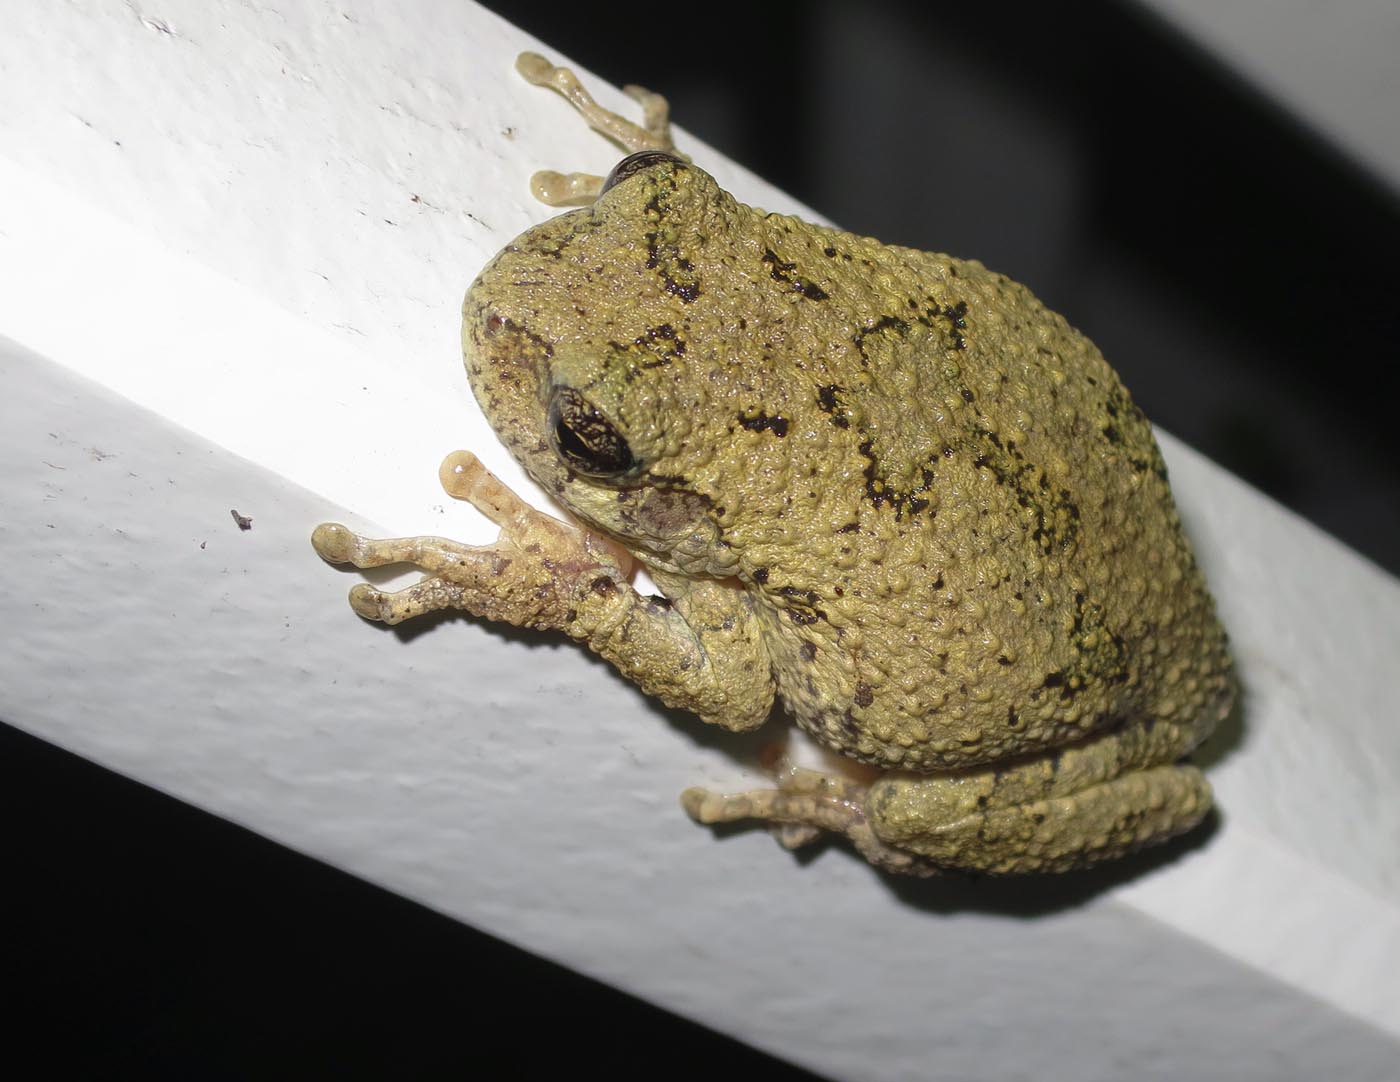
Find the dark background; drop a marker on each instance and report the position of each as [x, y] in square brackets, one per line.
[1232, 267]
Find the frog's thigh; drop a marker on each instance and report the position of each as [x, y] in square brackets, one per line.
[1085, 804]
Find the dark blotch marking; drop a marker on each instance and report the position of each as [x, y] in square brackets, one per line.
[1054, 510]
[663, 343]
[829, 402]
[686, 291]
[880, 492]
[1122, 413]
[801, 605]
[1100, 655]
[762, 422]
[865, 695]
[952, 316]
[667, 258]
[496, 323]
[880, 326]
[783, 272]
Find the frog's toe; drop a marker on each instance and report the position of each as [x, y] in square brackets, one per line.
[799, 816]
[534, 68]
[427, 595]
[465, 477]
[793, 836]
[702, 805]
[711, 808]
[367, 601]
[557, 189]
[333, 542]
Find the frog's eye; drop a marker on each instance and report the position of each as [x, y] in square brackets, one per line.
[634, 164]
[584, 438]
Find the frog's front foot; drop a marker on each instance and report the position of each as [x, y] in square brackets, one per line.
[805, 804]
[531, 576]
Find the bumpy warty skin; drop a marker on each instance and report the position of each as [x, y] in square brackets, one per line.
[951, 519]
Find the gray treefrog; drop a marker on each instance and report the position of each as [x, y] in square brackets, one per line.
[886, 486]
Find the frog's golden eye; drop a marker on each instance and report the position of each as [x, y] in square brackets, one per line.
[634, 164]
[584, 438]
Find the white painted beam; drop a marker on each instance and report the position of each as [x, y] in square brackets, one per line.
[232, 246]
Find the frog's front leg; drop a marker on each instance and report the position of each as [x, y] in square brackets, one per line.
[703, 653]
[1112, 794]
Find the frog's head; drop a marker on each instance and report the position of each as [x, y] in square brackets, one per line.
[593, 345]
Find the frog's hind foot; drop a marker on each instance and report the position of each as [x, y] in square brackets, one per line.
[805, 805]
[654, 133]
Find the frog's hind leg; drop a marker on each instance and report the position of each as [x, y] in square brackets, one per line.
[1108, 796]
[654, 133]
[806, 804]
[656, 115]
[1115, 792]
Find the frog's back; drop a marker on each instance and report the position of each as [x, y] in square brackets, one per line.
[1008, 569]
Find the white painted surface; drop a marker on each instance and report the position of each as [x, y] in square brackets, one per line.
[208, 308]
[1330, 63]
